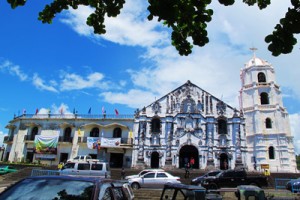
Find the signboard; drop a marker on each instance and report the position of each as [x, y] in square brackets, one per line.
[110, 142]
[265, 166]
[45, 144]
[93, 143]
[45, 156]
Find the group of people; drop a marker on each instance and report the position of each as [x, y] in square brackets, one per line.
[188, 164]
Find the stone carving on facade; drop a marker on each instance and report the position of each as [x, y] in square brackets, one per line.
[221, 108]
[142, 140]
[156, 107]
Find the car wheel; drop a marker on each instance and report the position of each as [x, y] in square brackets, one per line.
[135, 186]
[213, 186]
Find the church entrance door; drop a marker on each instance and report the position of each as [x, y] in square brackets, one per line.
[155, 160]
[223, 161]
[189, 153]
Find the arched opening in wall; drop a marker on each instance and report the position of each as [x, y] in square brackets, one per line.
[222, 126]
[264, 98]
[261, 77]
[271, 153]
[67, 135]
[186, 154]
[34, 132]
[223, 161]
[268, 123]
[94, 132]
[117, 133]
[155, 125]
[155, 159]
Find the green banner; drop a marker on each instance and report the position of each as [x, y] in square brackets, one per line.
[45, 144]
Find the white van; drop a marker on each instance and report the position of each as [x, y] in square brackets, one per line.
[86, 168]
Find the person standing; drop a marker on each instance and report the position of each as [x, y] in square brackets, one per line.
[192, 162]
[123, 173]
[187, 170]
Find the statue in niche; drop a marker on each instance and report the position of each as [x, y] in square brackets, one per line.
[199, 106]
[221, 107]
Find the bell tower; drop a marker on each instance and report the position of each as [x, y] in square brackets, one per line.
[268, 135]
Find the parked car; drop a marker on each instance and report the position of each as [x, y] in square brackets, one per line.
[7, 169]
[92, 168]
[198, 180]
[142, 173]
[65, 187]
[234, 178]
[155, 179]
[293, 185]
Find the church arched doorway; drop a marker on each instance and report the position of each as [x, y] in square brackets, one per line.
[186, 154]
[223, 161]
[155, 160]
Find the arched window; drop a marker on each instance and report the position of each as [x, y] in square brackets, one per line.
[34, 132]
[155, 125]
[94, 132]
[268, 123]
[67, 134]
[117, 133]
[264, 98]
[271, 152]
[261, 77]
[222, 126]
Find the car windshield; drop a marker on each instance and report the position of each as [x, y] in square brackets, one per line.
[36, 189]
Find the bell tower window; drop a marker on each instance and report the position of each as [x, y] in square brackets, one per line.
[264, 98]
[271, 153]
[268, 123]
[261, 77]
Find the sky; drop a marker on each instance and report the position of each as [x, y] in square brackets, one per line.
[66, 66]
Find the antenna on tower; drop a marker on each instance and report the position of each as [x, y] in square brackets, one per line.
[253, 49]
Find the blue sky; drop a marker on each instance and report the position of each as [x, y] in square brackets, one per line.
[64, 65]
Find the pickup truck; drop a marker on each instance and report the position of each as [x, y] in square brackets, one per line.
[234, 178]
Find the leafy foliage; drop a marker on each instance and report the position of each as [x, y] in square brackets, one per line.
[186, 18]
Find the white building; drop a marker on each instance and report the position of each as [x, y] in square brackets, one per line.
[186, 124]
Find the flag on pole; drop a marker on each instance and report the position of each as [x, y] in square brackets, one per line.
[90, 111]
[117, 112]
[103, 110]
[74, 111]
[24, 111]
[36, 111]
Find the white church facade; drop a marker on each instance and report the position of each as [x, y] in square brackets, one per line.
[186, 124]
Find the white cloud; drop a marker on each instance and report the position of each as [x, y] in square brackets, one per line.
[72, 81]
[133, 99]
[13, 70]
[295, 129]
[39, 83]
[130, 28]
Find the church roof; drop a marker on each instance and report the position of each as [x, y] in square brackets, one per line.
[254, 61]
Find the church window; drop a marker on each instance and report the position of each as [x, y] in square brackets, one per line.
[261, 77]
[271, 153]
[222, 126]
[117, 133]
[155, 125]
[268, 123]
[94, 132]
[264, 98]
[34, 132]
[67, 134]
